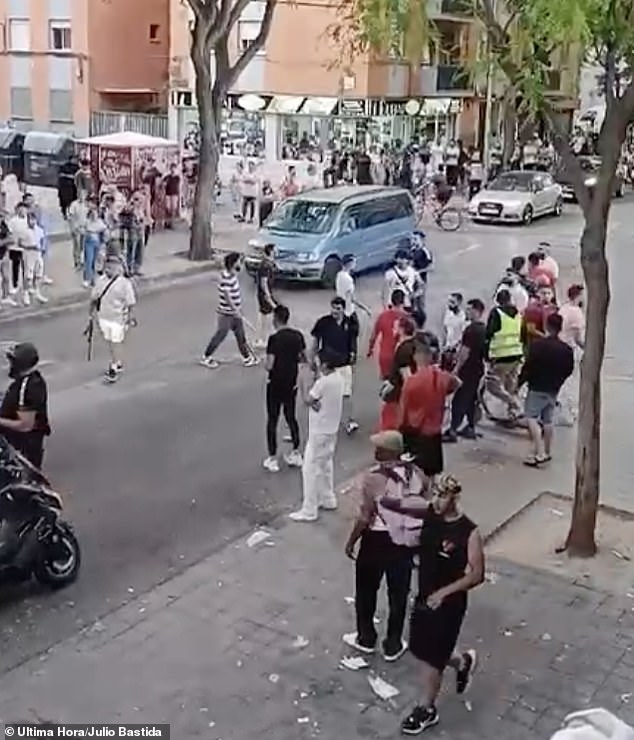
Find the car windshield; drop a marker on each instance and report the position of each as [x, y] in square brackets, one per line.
[513, 181]
[304, 216]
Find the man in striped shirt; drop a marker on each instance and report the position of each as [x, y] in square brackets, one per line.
[229, 315]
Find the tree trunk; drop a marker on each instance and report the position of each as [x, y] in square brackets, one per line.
[509, 119]
[581, 540]
[200, 239]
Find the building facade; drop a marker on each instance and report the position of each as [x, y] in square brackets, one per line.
[293, 89]
[62, 59]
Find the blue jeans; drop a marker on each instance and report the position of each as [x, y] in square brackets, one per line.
[134, 249]
[91, 250]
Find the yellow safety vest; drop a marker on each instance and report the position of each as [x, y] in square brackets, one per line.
[507, 341]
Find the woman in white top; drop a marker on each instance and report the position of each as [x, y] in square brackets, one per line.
[573, 333]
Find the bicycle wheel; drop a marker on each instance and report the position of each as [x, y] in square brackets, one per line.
[449, 219]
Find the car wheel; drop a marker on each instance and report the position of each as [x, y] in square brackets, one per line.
[559, 207]
[527, 216]
[329, 274]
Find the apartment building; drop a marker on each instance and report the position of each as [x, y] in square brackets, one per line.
[293, 89]
[60, 60]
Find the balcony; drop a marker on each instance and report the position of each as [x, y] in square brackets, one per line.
[460, 9]
[553, 80]
[388, 79]
[444, 79]
[452, 78]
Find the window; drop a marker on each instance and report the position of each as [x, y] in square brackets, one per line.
[247, 33]
[155, 33]
[19, 34]
[60, 105]
[21, 103]
[60, 36]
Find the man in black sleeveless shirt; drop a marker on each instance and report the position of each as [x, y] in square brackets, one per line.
[452, 563]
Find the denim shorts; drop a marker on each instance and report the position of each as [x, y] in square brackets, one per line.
[540, 406]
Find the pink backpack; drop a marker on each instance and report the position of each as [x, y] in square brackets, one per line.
[403, 529]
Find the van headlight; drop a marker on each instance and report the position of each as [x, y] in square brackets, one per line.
[590, 181]
[256, 244]
[306, 257]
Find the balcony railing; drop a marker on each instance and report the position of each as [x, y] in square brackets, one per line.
[553, 80]
[452, 77]
[456, 7]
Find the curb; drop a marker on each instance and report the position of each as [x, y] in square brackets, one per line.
[79, 298]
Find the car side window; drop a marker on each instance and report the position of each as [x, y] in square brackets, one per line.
[350, 220]
[548, 181]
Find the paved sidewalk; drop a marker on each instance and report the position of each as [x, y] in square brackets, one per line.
[215, 651]
[165, 260]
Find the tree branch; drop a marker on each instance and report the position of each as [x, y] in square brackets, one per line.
[258, 42]
[234, 12]
[197, 7]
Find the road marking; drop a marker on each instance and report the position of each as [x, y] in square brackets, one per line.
[464, 250]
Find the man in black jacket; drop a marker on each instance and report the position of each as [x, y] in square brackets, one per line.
[548, 365]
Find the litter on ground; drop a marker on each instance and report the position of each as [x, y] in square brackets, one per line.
[382, 688]
[259, 536]
[300, 642]
[354, 663]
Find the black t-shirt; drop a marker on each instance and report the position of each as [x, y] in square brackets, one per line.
[548, 365]
[403, 358]
[287, 347]
[363, 170]
[28, 393]
[265, 272]
[172, 184]
[474, 338]
[338, 339]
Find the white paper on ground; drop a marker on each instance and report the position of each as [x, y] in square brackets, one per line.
[382, 688]
[260, 535]
[354, 664]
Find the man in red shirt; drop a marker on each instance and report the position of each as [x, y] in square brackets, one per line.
[386, 332]
[537, 311]
[422, 411]
[538, 272]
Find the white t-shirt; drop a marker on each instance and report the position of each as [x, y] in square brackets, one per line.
[573, 323]
[117, 300]
[344, 288]
[454, 324]
[328, 390]
[404, 280]
[519, 296]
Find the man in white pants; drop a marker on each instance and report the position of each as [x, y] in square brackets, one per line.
[112, 302]
[325, 401]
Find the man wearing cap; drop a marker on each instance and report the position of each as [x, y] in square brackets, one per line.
[379, 555]
[112, 303]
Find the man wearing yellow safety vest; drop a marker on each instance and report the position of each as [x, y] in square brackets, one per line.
[504, 329]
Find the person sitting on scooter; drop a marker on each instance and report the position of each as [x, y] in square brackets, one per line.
[24, 411]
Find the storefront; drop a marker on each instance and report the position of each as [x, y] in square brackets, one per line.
[291, 128]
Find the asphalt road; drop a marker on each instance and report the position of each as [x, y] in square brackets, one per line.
[165, 467]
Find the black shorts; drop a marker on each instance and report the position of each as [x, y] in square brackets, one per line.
[433, 633]
[427, 451]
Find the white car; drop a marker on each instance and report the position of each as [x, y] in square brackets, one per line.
[517, 197]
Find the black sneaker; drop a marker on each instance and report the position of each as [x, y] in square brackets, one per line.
[111, 375]
[419, 720]
[450, 436]
[464, 676]
[468, 433]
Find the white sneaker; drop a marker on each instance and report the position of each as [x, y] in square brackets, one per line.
[352, 640]
[40, 298]
[351, 427]
[26, 299]
[329, 505]
[302, 516]
[208, 362]
[8, 301]
[250, 361]
[294, 459]
[46, 280]
[391, 658]
[271, 464]
[86, 284]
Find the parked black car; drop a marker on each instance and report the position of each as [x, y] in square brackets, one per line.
[590, 166]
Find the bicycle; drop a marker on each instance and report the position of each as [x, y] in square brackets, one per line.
[446, 217]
